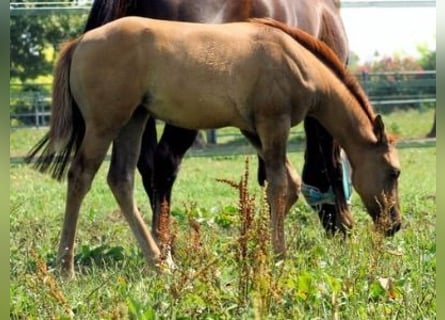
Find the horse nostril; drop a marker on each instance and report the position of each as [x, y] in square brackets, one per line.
[397, 226]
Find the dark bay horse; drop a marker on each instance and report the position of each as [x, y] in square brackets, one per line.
[261, 77]
[159, 162]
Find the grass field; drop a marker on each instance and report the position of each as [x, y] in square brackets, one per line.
[363, 277]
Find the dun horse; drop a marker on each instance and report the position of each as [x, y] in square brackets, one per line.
[159, 162]
[261, 77]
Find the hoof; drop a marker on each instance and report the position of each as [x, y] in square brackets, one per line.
[66, 267]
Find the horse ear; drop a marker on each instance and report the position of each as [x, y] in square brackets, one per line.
[379, 129]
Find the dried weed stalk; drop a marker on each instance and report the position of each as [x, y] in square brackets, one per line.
[254, 255]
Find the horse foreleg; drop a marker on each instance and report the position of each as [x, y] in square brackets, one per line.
[273, 151]
[290, 183]
[80, 176]
[125, 154]
[293, 185]
[168, 156]
[276, 194]
[293, 178]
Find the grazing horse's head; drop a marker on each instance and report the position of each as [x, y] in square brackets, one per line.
[376, 180]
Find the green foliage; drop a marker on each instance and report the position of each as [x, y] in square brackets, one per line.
[398, 77]
[362, 277]
[394, 63]
[35, 40]
[384, 80]
[427, 57]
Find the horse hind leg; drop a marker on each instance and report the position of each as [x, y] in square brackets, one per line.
[83, 168]
[124, 158]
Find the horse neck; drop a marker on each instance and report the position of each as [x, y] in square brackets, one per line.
[341, 114]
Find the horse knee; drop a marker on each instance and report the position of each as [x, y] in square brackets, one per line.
[277, 194]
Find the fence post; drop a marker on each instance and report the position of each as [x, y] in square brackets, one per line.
[211, 136]
[35, 107]
[365, 78]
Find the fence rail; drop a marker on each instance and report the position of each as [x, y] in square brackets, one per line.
[399, 89]
[30, 104]
[83, 6]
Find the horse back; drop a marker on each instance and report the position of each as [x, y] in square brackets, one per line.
[224, 70]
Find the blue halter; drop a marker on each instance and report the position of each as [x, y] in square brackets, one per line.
[346, 174]
[315, 198]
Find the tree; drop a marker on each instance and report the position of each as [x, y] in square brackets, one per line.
[27, 46]
[353, 61]
[391, 78]
[35, 39]
[427, 57]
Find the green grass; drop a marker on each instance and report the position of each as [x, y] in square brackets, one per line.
[363, 277]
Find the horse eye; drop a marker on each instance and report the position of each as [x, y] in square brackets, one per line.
[394, 173]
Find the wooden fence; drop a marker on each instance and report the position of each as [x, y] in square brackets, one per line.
[399, 89]
[30, 104]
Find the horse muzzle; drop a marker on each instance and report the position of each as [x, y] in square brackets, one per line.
[395, 222]
[391, 223]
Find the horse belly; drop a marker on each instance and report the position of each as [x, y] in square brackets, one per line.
[197, 113]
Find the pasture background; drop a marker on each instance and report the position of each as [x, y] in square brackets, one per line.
[364, 277]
